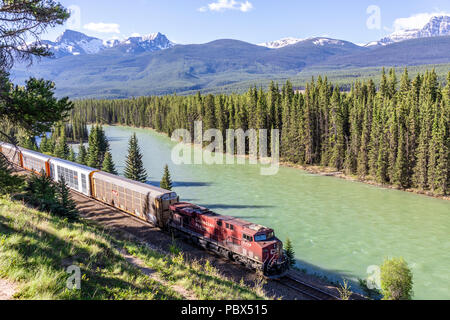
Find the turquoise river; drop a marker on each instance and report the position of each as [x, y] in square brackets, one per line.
[339, 228]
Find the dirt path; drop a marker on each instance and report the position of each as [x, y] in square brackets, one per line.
[7, 290]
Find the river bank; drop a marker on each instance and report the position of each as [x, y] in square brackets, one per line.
[324, 171]
[332, 172]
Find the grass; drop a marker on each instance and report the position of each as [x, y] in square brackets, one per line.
[199, 277]
[36, 249]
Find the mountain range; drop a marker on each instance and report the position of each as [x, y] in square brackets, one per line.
[76, 43]
[438, 26]
[84, 66]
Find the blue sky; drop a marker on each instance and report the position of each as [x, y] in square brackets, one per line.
[255, 21]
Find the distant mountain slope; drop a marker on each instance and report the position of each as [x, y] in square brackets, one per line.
[116, 72]
[129, 68]
[410, 52]
[438, 26]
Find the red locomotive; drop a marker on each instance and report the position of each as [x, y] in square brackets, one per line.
[252, 245]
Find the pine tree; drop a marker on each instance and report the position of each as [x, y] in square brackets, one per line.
[71, 156]
[43, 146]
[337, 137]
[68, 207]
[108, 164]
[9, 183]
[134, 167]
[82, 154]
[62, 149]
[290, 254]
[400, 175]
[166, 182]
[98, 146]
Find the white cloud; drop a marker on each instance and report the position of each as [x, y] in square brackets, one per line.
[416, 21]
[246, 6]
[103, 27]
[222, 5]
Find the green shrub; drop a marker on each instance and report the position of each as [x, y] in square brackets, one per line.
[396, 280]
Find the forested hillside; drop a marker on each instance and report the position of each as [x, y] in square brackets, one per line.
[396, 134]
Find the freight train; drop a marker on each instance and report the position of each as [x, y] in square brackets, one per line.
[250, 244]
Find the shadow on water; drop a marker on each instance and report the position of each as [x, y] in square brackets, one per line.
[182, 184]
[232, 206]
[116, 139]
[335, 277]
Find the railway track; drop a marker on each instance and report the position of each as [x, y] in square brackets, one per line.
[306, 289]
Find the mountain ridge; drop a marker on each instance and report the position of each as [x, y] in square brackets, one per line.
[437, 26]
[77, 43]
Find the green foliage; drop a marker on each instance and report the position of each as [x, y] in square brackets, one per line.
[398, 135]
[67, 206]
[23, 22]
[290, 254]
[134, 167]
[71, 156]
[166, 182]
[32, 107]
[396, 280]
[98, 146]
[108, 164]
[42, 193]
[9, 183]
[344, 290]
[82, 154]
[62, 149]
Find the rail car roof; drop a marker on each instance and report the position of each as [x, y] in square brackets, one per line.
[246, 226]
[130, 184]
[7, 145]
[35, 154]
[71, 164]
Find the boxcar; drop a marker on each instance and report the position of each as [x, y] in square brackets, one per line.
[35, 161]
[144, 201]
[76, 175]
[11, 153]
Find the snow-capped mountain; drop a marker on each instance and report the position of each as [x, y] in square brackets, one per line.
[77, 43]
[148, 43]
[319, 41]
[327, 41]
[436, 27]
[74, 43]
[277, 44]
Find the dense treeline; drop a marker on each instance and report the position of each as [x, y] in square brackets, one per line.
[396, 134]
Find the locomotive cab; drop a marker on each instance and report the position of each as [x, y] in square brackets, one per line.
[272, 254]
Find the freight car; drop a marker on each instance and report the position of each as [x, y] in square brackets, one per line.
[252, 245]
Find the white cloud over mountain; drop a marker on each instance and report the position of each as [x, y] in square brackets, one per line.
[416, 21]
[103, 27]
[222, 5]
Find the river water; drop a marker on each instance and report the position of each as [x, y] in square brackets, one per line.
[339, 228]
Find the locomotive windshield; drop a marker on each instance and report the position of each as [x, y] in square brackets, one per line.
[264, 236]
